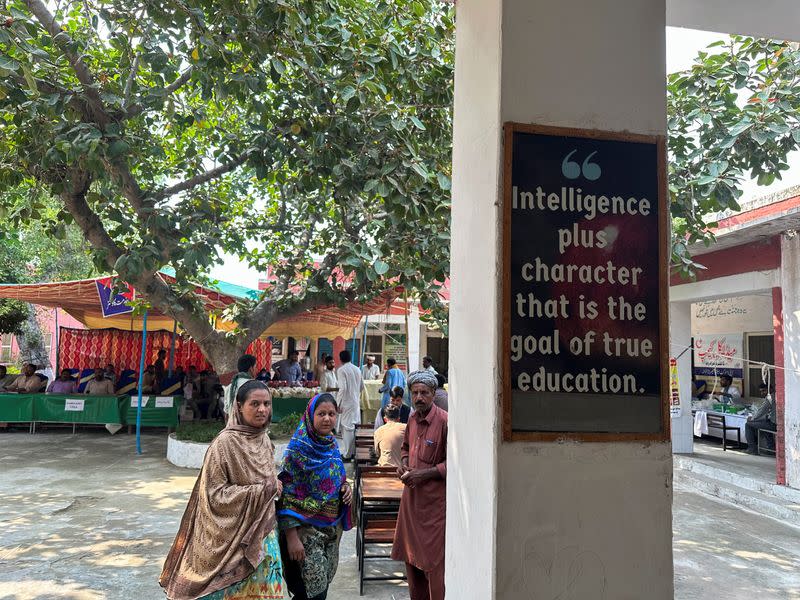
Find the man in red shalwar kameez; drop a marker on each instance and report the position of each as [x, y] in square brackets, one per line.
[419, 538]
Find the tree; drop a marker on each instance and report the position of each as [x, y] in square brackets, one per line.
[312, 137]
[26, 256]
[733, 115]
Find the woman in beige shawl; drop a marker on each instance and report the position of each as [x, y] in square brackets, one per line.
[227, 545]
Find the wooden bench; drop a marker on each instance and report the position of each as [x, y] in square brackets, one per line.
[718, 422]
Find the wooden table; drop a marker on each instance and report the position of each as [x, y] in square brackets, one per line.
[363, 455]
[381, 489]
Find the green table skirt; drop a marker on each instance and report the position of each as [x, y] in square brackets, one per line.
[80, 408]
[284, 406]
[152, 416]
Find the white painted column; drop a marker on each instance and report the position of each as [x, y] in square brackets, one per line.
[543, 520]
[790, 284]
[413, 338]
[680, 336]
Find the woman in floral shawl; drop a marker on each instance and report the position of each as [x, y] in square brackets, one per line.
[227, 544]
[315, 506]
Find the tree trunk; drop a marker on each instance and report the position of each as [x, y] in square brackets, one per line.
[223, 354]
[31, 343]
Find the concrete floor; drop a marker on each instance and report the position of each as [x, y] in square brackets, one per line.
[83, 517]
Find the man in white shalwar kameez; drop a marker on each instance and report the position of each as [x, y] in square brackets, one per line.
[349, 399]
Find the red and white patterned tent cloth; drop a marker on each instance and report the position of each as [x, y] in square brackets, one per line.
[81, 300]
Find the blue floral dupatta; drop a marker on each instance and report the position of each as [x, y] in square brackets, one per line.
[312, 474]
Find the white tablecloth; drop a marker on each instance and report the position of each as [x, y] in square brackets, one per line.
[730, 420]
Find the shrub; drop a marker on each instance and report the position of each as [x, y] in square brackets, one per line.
[286, 426]
[201, 433]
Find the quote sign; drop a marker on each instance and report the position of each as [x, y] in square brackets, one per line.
[585, 288]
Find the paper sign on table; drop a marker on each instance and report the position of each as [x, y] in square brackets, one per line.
[135, 401]
[163, 401]
[73, 405]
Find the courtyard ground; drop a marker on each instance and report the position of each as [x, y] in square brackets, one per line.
[83, 517]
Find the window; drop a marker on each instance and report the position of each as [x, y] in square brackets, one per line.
[375, 348]
[760, 348]
[5, 347]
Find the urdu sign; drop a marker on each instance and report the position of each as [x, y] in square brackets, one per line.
[114, 304]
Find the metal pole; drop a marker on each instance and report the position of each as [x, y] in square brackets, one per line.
[364, 341]
[355, 354]
[58, 344]
[172, 349]
[141, 379]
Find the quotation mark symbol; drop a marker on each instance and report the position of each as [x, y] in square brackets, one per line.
[572, 170]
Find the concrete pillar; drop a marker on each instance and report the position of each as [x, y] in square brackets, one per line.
[413, 338]
[790, 285]
[680, 337]
[543, 520]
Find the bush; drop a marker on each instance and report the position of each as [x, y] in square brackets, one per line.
[201, 433]
[286, 426]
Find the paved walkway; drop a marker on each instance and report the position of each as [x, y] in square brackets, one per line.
[83, 517]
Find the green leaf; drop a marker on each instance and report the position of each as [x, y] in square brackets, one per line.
[380, 267]
[117, 148]
[759, 136]
[8, 63]
[444, 181]
[348, 93]
[417, 123]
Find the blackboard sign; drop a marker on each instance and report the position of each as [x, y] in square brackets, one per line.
[585, 285]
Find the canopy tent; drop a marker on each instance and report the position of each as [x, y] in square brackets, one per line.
[82, 300]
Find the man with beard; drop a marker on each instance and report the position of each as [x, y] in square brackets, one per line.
[419, 537]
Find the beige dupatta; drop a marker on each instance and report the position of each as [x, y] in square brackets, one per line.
[230, 512]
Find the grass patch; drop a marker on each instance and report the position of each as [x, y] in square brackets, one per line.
[201, 433]
[286, 426]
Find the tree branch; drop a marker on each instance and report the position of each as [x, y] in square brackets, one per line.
[65, 42]
[126, 96]
[87, 220]
[199, 179]
[137, 109]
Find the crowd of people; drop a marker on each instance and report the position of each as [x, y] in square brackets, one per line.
[253, 531]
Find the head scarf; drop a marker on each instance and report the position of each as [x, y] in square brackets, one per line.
[425, 377]
[230, 512]
[312, 474]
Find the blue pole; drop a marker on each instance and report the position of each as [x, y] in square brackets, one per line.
[356, 361]
[172, 349]
[141, 379]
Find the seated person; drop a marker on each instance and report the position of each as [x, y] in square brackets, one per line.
[764, 418]
[179, 374]
[395, 399]
[440, 396]
[99, 385]
[728, 392]
[205, 399]
[698, 388]
[29, 382]
[389, 438]
[65, 384]
[5, 378]
[111, 373]
[149, 380]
